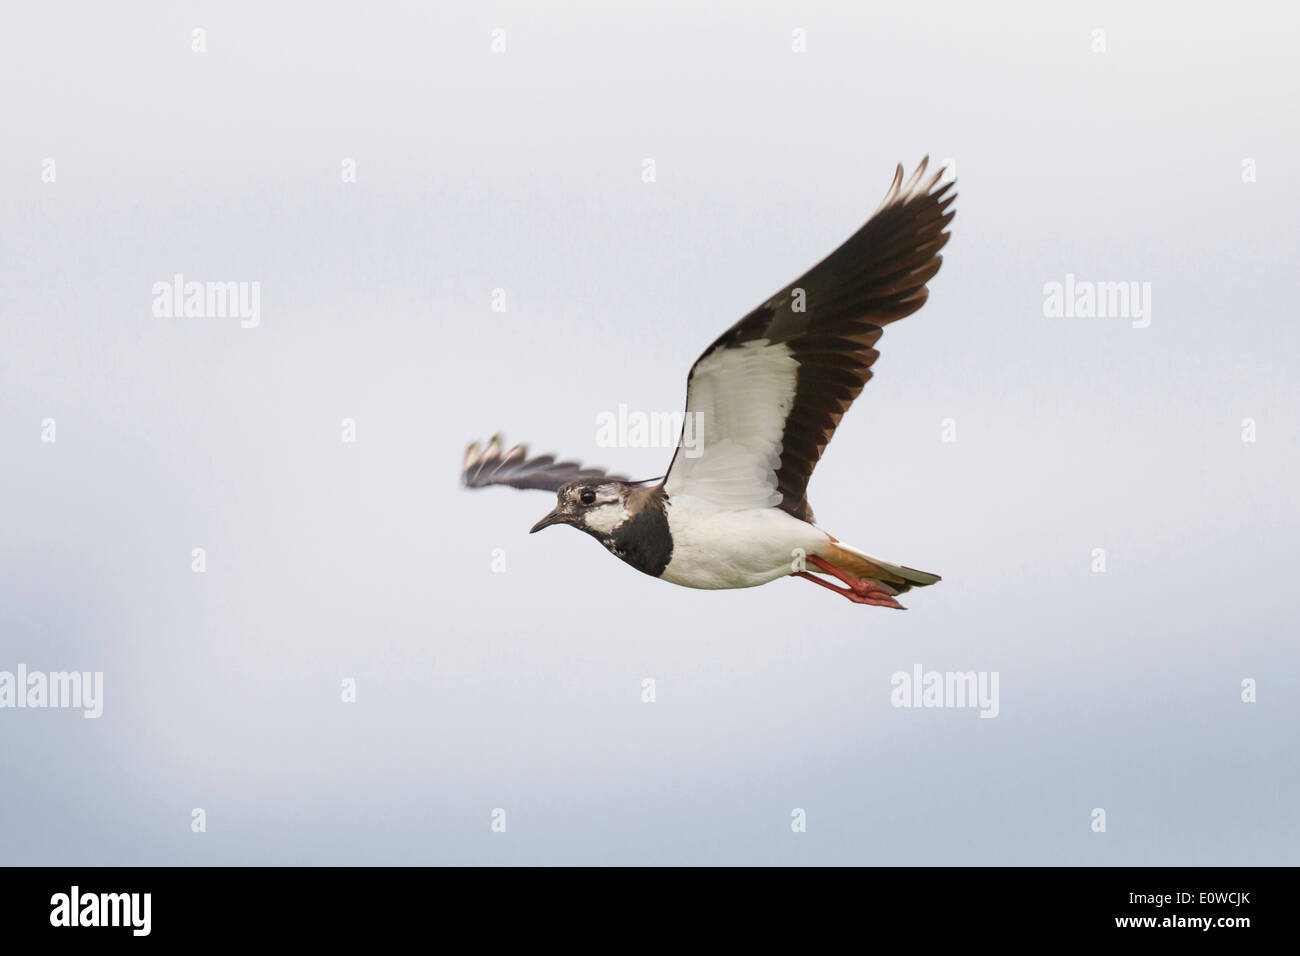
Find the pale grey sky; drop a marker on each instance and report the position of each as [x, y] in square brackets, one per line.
[522, 690]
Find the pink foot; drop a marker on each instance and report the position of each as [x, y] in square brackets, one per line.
[859, 592]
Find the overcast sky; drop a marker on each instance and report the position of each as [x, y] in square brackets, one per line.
[380, 172]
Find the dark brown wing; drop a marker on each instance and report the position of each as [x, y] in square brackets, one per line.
[488, 466]
[772, 389]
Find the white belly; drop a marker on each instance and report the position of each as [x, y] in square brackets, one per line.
[734, 549]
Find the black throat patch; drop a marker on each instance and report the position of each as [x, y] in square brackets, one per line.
[643, 540]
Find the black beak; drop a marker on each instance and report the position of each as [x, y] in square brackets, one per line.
[553, 518]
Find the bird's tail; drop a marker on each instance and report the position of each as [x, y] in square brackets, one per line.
[863, 565]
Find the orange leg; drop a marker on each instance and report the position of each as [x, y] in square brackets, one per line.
[858, 591]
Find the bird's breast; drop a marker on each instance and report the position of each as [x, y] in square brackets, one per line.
[719, 549]
[643, 540]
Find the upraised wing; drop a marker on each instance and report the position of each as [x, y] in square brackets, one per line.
[772, 389]
[488, 466]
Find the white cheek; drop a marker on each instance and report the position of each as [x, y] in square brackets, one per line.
[605, 518]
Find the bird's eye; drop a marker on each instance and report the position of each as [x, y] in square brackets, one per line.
[587, 497]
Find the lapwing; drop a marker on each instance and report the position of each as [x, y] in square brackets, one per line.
[769, 393]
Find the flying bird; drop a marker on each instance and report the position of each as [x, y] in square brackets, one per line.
[769, 393]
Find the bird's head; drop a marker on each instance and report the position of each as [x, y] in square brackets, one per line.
[594, 505]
